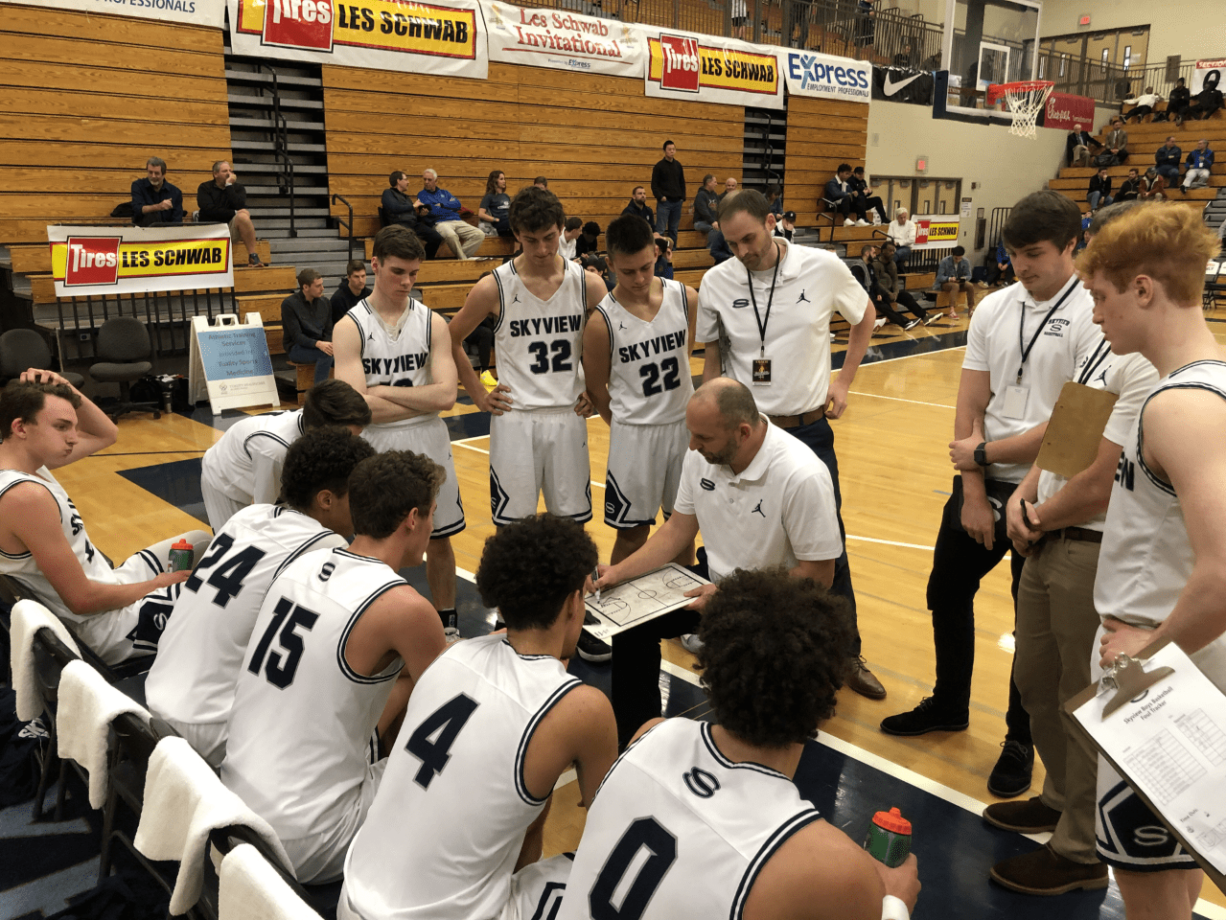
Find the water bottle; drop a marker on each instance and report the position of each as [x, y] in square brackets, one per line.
[889, 838]
[182, 554]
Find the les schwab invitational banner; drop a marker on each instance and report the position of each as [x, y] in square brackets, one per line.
[563, 40]
[383, 34]
[122, 260]
[704, 68]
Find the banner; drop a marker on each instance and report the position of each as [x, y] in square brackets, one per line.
[897, 84]
[811, 74]
[122, 260]
[1064, 110]
[445, 37]
[210, 13]
[937, 232]
[563, 40]
[1208, 72]
[704, 68]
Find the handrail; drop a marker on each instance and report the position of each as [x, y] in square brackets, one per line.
[280, 148]
[349, 224]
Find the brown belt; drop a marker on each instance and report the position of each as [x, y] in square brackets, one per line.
[797, 421]
[1079, 533]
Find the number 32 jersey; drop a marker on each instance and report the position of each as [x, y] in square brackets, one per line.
[678, 831]
[302, 720]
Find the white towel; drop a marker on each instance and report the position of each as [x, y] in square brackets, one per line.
[87, 706]
[251, 889]
[28, 618]
[184, 800]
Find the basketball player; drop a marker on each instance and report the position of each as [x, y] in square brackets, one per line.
[1163, 560]
[47, 424]
[538, 432]
[700, 820]
[455, 830]
[636, 358]
[396, 352]
[244, 467]
[191, 684]
[337, 645]
[765, 319]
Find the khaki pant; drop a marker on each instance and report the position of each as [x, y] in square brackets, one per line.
[463, 238]
[1056, 624]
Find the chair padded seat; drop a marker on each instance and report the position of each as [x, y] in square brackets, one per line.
[119, 373]
[75, 379]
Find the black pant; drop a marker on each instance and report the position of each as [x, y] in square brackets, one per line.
[849, 203]
[884, 308]
[878, 205]
[958, 566]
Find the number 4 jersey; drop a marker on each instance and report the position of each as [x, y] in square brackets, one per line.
[678, 831]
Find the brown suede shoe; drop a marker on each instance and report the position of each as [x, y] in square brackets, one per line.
[861, 680]
[1028, 817]
[1045, 872]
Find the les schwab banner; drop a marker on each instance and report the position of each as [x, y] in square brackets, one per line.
[429, 38]
[940, 232]
[703, 68]
[563, 40]
[122, 260]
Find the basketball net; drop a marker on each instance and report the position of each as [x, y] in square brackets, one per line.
[1025, 100]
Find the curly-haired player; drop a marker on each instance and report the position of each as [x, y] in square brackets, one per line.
[700, 820]
[455, 830]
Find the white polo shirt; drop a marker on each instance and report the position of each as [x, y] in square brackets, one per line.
[1003, 325]
[779, 510]
[1130, 378]
[812, 285]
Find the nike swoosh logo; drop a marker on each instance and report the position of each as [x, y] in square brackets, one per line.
[891, 88]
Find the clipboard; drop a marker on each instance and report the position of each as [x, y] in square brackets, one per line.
[640, 599]
[1070, 444]
[1161, 724]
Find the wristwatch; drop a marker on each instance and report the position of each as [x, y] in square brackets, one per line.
[981, 453]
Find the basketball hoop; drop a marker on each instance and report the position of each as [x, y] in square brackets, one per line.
[1025, 100]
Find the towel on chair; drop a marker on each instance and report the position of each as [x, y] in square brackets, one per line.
[28, 618]
[251, 889]
[184, 800]
[87, 706]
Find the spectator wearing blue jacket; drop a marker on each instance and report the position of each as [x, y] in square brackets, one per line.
[155, 202]
[1167, 160]
[843, 200]
[463, 238]
[1199, 162]
[1000, 269]
[954, 275]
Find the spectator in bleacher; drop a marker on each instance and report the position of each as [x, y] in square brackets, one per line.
[843, 200]
[668, 189]
[399, 207]
[774, 198]
[155, 202]
[1153, 186]
[706, 203]
[540, 182]
[738, 10]
[716, 244]
[1115, 144]
[786, 227]
[664, 258]
[1177, 105]
[1143, 104]
[1167, 159]
[222, 200]
[494, 211]
[570, 233]
[954, 275]
[462, 237]
[352, 290]
[1000, 269]
[729, 188]
[1130, 188]
[1078, 146]
[1099, 192]
[864, 192]
[306, 324]
[638, 206]
[588, 241]
[902, 232]
[596, 265]
[1209, 99]
[875, 286]
[886, 268]
[1199, 162]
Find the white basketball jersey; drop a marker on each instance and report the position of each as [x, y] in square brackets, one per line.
[201, 651]
[539, 342]
[679, 831]
[246, 463]
[649, 362]
[399, 359]
[444, 832]
[301, 724]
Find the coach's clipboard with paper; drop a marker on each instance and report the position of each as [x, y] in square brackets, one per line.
[1162, 726]
[1075, 431]
[640, 599]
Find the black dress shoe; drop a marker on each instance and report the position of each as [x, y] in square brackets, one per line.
[1011, 775]
[928, 716]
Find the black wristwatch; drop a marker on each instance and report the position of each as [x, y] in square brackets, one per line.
[981, 453]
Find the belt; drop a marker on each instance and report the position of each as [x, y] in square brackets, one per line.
[1079, 533]
[797, 421]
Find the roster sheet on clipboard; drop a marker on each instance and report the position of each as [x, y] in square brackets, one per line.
[640, 599]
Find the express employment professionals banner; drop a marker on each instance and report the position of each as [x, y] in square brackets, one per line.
[828, 77]
[563, 40]
[122, 260]
[440, 37]
[704, 68]
[1208, 72]
[209, 13]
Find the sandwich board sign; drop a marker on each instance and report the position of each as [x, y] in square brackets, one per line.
[229, 363]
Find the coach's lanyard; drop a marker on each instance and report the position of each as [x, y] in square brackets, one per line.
[762, 321]
[1021, 329]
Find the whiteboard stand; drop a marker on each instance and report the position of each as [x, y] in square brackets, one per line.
[230, 364]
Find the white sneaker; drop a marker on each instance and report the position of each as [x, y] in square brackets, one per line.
[878, 323]
[863, 223]
[849, 223]
[691, 643]
[911, 325]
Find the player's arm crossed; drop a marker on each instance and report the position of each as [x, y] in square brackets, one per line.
[31, 523]
[597, 363]
[482, 301]
[347, 352]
